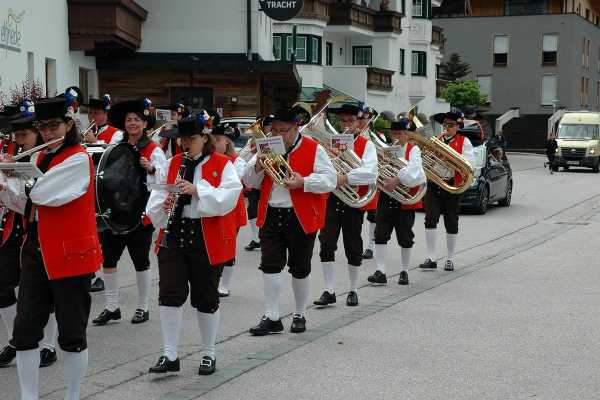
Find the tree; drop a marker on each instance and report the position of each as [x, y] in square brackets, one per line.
[464, 95]
[454, 69]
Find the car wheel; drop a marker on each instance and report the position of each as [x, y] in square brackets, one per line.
[506, 201]
[566, 168]
[555, 168]
[596, 167]
[484, 201]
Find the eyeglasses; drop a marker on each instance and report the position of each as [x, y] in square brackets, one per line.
[347, 120]
[282, 131]
[52, 126]
[450, 124]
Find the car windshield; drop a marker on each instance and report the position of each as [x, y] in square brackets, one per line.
[480, 154]
[578, 131]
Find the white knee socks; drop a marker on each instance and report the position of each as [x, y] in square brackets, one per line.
[381, 255]
[254, 228]
[209, 326]
[28, 368]
[170, 323]
[371, 241]
[226, 278]
[404, 258]
[430, 239]
[353, 275]
[451, 244]
[78, 363]
[50, 332]
[143, 286]
[111, 291]
[8, 318]
[301, 293]
[328, 276]
[272, 288]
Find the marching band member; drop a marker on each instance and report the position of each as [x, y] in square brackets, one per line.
[253, 195]
[199, 238]
[341, 217]
[60, 251]
[289, 217]
[132, 117]
[391, 215]
[438, 201]
[169, 142]
[224, 136]
[98, 113]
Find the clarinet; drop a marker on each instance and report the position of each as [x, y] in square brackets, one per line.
[171, 214]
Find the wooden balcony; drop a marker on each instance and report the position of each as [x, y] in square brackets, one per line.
[315, 9]
[352, 14]
[440, 85]
[379, 79]
[388, 21]
[437, 37]
[111, 23]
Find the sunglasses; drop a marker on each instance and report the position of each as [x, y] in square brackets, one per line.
[52, 126]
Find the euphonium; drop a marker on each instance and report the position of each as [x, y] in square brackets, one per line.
[274, 164]
[320, 129]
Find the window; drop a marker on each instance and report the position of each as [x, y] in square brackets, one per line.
[308, 48]
[329, 53]
[549, 49]
[485, 85]
[50, 77]
[361, 55]
[549, 89]
[402, 58]
[84, 83]
[587, 14]
[501, 46]
[598, 95]
[585, 53]
[30, 67]
[419, 63]
[314, 50]
[277, 47]
[300, 47]
[525, 7]
[417, 8]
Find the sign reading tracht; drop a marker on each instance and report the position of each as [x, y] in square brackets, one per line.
[281, 10]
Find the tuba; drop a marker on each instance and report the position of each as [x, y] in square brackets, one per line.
[320, 129]
[441, 161]
[274, 164]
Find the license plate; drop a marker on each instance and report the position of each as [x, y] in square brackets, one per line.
[572, 162]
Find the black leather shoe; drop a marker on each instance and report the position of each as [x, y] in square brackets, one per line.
[47, 357]
[266, 326]
[428, 264]
[449, 266]
[368, 254]
[7, 354]
[140, 316]
[106, 316]
[207, 366]
[403, 279]
[165, 365]
[325, 299]
[252, 246]
[378, 277]
[352, 299]
[298, 324]
[97, 285]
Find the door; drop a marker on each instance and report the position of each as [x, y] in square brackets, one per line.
[196, 98]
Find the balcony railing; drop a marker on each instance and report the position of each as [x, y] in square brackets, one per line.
[315, 9]
[388, 21]
[352, 14]
[379, 79]
[437, 37]
[440, 85]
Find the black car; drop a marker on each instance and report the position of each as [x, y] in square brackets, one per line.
[493, 179]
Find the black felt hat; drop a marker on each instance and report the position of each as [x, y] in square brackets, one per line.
[189, 127]
[119, 111]
[403, 124]
[51, 108]
[226, 130]
[23, 123]
[100, 104]
[10, 110]
[347, 108]
[450, 115]
[5, 124]
[268, 120]
[285, 114]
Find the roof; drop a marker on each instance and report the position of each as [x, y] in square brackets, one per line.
[580, 118]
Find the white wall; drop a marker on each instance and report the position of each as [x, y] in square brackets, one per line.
[44, 40]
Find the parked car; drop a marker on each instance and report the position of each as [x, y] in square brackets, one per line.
[243, 124]
[493, 181]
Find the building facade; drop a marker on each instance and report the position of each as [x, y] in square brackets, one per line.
[537, 55]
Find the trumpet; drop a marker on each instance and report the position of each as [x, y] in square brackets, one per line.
[157, 130]
[274, 164]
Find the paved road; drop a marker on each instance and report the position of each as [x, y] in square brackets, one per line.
[516, 320]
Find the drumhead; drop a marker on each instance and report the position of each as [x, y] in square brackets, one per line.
[121, 192]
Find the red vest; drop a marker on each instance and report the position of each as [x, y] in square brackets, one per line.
[359, 148]
[165, 144]
[219, 232]
[68, 235]
[107, 134]
[457, 143]
[309, 207]
[241, 217]
[419, 205]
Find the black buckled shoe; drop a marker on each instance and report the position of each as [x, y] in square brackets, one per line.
[449, 266]
[7, 355]
[47, 357]
[403, 279]
[140, 316]
[266, 326]
[298, 324]
[378, 277]
[165, 365]
[252, 246]
[207, 366]
[97, 285]
[106, 316]
[325, 299]
[428, 264]
[352, 299]
[368, 254]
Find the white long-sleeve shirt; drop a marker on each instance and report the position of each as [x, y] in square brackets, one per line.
[240, 166]
[413, 174]
[208, 201]
[468, 151]
[367, 173]
[158, 161]
[322, 180]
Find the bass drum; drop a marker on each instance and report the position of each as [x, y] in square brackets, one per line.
[121, 191]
